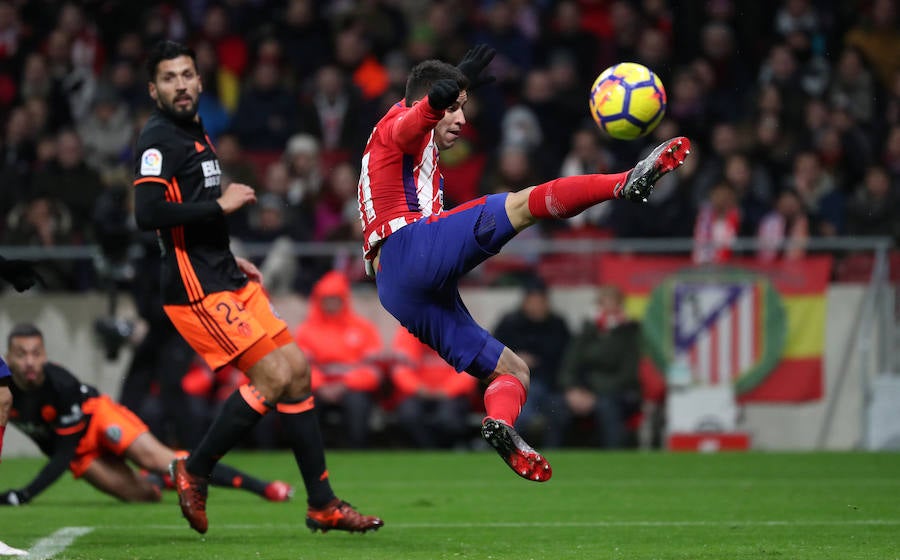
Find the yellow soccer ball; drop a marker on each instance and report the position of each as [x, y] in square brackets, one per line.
[627, 100]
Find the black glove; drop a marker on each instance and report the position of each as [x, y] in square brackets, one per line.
[19, 273]
[474, 63]
[443, 94]
[13, 498]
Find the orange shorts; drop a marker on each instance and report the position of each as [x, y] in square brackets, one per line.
[111, 430]
[224, 325]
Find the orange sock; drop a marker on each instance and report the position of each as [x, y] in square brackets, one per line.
[504, 398]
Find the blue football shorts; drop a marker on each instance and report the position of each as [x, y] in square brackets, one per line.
[418, 276]
[4, 369]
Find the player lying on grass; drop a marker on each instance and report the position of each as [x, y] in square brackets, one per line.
[418, 252]
[84, 431]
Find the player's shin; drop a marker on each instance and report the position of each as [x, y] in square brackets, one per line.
[569, 196]
[503, 399]
[301, 425]
[241, 411]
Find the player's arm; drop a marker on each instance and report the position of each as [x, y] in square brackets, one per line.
[63, 453]
[408, 129]
[153, 211]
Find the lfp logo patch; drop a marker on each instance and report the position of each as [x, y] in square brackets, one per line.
[724, 326]
[151, 162]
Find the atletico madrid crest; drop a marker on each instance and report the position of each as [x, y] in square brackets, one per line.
[720, 326]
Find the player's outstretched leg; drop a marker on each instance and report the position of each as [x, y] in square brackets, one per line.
[340, 516]
[192, 492]
[521, 457]
[666, 157]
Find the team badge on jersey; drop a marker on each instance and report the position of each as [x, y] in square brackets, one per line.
[114, 434]
[212, 173]
[151, 162]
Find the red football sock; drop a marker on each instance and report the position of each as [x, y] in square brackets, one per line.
[2, 430]
[504, 398]
[569, 196]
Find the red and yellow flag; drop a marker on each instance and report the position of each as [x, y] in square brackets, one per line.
[760, 326]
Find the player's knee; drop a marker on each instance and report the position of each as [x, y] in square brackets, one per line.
[512, 364]
[278, 378]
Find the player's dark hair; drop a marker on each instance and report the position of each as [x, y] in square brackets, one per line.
[424, 74]
[23, 329]
[166, 50]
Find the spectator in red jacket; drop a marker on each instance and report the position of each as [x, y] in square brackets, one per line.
[340, 346]
[433, 398]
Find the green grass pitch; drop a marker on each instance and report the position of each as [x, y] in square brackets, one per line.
[631, 506]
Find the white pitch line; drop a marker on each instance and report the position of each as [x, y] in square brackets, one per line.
[48, 547]
[549, 524]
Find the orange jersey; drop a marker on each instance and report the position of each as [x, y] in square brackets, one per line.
[419, 366]
[339, 345]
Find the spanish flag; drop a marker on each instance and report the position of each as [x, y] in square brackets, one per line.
[760, 326]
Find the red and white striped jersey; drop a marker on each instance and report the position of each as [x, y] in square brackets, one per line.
[399, 180]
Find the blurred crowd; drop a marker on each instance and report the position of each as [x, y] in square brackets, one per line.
[587, 387]
[793, 107]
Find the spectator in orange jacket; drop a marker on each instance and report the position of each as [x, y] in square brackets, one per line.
[340, 346]
[433, 398]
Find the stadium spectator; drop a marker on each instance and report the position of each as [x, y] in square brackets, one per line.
[432, 399]
[337, 209]
[753, 189]
[336, 114]
[305, 175]
[353, 54]
[876, 35]
[340, 345]
[564, 33]
[717, 226]
[218, 85]
[874, 208]
[69, 180]
[305, 36]
[38, 83]
[853, 86]
[821, 199]
[266, 114]
[785, 228]
[106, 132]
[271, 224]
[891, 156]
[599, 372]
[43, 222]
[540, 337]
[84, 431]
[514, 50]
[18, 159]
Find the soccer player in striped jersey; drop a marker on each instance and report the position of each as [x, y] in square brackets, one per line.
[417, 251]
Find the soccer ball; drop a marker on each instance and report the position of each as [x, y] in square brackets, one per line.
[627, 100]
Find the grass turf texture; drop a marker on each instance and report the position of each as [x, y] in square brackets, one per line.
[470, 505]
